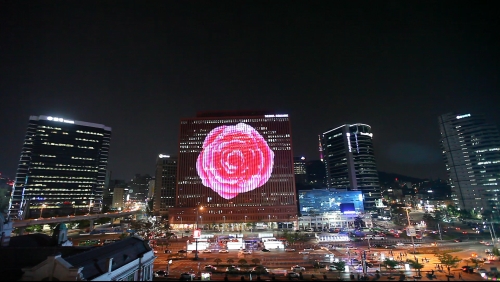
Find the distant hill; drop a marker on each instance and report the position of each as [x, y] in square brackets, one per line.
[386, 177]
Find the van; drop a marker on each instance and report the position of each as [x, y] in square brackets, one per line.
[310, 230]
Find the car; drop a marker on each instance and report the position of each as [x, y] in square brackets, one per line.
[399, 244]
[467, 269]
[331, 268]
[223, 251]
[182, 251]
[482, 242]
[246, 252]
[209, 267]
[265, 250]
[207, 251]
[167, 251]
[303, 252]
[308, 249]
[291, 275]
[160, 273]
[260, 269]
[195, 251]
[482, 270]
[457, 240]
[297, 268]
[289, 250]
[232, 268]
[187, 276]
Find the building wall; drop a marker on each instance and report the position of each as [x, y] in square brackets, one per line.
[166, 180]
[471, 151]
[62, 166]
[119, 194]
[248, 143]
[350, 161]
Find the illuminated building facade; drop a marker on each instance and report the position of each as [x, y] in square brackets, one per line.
[238, 166]
[350, 161]
[471, 150]
[166, 179]
[62, 168]
[319, 201]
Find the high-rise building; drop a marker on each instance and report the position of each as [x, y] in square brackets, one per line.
[62, 168]
[350, 161]
[471, 151]
[238, 166]
[166, 180]
[299, 169]
[138, 188]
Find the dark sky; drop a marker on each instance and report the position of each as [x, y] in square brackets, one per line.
[140, 66]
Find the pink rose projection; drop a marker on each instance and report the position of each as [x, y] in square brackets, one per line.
[235, 159]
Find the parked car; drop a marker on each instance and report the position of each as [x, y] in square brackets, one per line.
[467, 269]
[195, 251]
[232, 268]
[331, 268]
[182, 251]
[209, 267]
[265, 250]
[291, 275]
[160, 273]
[187, 276]
[247, 252]
[223, 251]
[207, 251]
[297, 268]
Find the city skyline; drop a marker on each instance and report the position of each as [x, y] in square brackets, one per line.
[142, 68]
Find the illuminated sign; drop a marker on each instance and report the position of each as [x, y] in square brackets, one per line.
[161, 156]
[349, 141]
[367, 134]
[271, 116]
[234, 159]
[196, 234]
[463, 116]
[60, 119]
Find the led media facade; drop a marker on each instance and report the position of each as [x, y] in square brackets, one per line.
[62, 168]
[235, 159]
[238, 166]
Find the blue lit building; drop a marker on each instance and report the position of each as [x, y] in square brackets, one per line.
[319, 201]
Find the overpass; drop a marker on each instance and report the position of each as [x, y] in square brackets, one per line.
[22, 224]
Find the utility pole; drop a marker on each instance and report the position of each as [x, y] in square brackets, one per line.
[409, 225]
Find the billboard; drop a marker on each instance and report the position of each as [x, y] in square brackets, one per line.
[234, 159]
[347, 208]
[197, 234]
[410, 231]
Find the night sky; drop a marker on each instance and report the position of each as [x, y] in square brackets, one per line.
[141, 66]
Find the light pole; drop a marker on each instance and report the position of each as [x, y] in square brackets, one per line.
[196, 239]
[409, 225]
[269, 221]
[224, 225]
[41, 210]
[245, 226]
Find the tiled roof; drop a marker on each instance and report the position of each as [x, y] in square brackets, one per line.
[95, 261]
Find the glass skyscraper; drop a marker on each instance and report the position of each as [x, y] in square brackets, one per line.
[350, 161]
[471, 151]
[62, 168]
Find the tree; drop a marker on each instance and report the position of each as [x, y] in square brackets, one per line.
[445, 258]
[230, 261]
[256, 261]
[390, 264]
[358, 222]
[243, 262]
[217, 260]
[340, 266]
[496, 251]
[417, 266]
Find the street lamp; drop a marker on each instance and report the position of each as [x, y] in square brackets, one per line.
[224, 225]
[196, 239]
[245, 226]
[41, 210]
[269, 221]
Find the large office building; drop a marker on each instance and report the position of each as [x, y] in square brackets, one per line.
[62, 168]
[350, 161]
[299, 169]
[237, 166]
[471, 150]
[166, 180]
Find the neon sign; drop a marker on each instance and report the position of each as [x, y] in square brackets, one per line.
[59, 119]
[463, 116]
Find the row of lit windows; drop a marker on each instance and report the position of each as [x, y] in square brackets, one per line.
[89, 132]
[58, 144]
[87, 140]
[66, 169]
[228, 121]
[49, 127]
